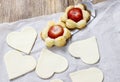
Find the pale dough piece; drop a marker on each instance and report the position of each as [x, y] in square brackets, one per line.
[92, 74]
[22, 41]
[56, 80]
[50, 63]
[87, 50]
[17, 64]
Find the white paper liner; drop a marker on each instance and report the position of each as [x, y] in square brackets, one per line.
[105, 27]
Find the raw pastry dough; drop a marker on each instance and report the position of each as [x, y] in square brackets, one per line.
[72, 24]
[92, 74]
[50, 63]
[87, 50]
[60, 41]
[56, 80]
[17, 64]
[22, 41]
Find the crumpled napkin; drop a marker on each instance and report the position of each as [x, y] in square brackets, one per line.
[105, 27]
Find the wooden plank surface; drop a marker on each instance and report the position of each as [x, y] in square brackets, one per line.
[13, 10]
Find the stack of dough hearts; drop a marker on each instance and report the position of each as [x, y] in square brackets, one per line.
[58, 41]
[70, 24]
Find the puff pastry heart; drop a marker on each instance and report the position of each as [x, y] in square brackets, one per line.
[86, 49]
[50, 63]
[23, 40]
[17, 64]
[56, 80]
[92, 74]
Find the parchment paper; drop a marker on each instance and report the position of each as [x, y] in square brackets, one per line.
[105, 27]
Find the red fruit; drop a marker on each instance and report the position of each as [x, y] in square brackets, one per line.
[75, 14]
[55, 31]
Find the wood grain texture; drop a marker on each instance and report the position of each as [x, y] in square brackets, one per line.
[13, 10]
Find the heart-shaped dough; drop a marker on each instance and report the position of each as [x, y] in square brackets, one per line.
[17, 64]
[50, 63]
[87, 50]
[22, 41]
[87, 75]
[56, 80]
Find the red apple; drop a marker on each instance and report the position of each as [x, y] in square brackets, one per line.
[55, 31]
[75, 14]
